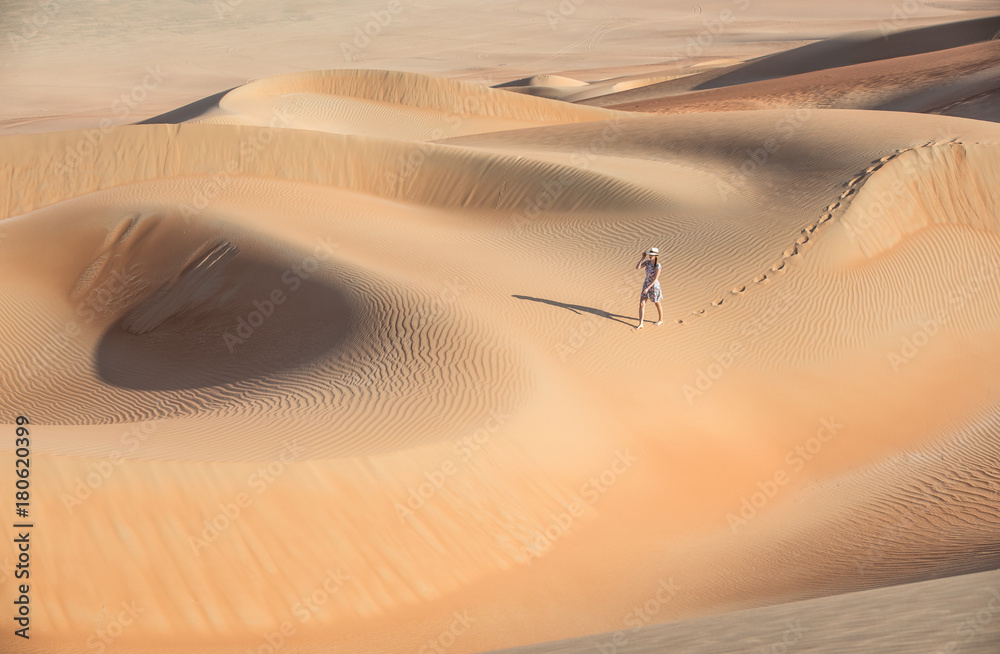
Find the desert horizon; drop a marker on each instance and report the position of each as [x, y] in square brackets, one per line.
[545, 326]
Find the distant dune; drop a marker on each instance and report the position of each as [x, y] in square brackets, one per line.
[950, 69]
[887, 619]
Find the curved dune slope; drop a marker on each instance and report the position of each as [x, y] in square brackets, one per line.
[912, 617]
[174, 320]
[917, 83]
[381, 103]
[949, 184]
[858, 48]
[838, 52]
[568, 89]
[424, 173]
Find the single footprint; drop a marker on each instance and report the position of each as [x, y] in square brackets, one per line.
[699, 312]
[888, 157]
[738, 290]
[848, 192]
[833, 206]
[855, 180]
[759, 278]
[872, 169]
[679, 321]
[777, 266]
[802, 239]
[717, 302]
[792, 251]
[825, 218]
[811, 228]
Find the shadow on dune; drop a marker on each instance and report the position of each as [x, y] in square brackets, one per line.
[187, 112]
[231, 330]
[578, 309]
[857, 48]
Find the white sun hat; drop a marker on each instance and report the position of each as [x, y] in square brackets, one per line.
[653, 252]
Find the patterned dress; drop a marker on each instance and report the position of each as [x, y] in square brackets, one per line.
[654, 293]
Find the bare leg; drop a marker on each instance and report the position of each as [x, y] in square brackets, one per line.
[659, 314]
[642, 310]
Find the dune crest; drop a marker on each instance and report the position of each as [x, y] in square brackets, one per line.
[381, 103]
[425, 173]
[846, 52]
[949, 184]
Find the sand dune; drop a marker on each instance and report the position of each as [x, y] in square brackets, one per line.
[882, 45]
[890, 47]
[567, 89]
[388, 104]
[889, 619]
[347, 357]
[917, 83]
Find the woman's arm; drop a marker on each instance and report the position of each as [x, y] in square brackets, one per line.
[641, 259]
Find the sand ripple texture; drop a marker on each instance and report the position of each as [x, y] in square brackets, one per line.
[374, 284]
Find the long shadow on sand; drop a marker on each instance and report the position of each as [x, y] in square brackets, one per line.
[236, 332]
[576, 308]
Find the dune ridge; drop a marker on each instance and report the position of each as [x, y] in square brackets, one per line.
[845, 52]
[917, 83]
[392, 169]
[388, 104]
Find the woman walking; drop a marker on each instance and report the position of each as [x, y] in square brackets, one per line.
[651, 286]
